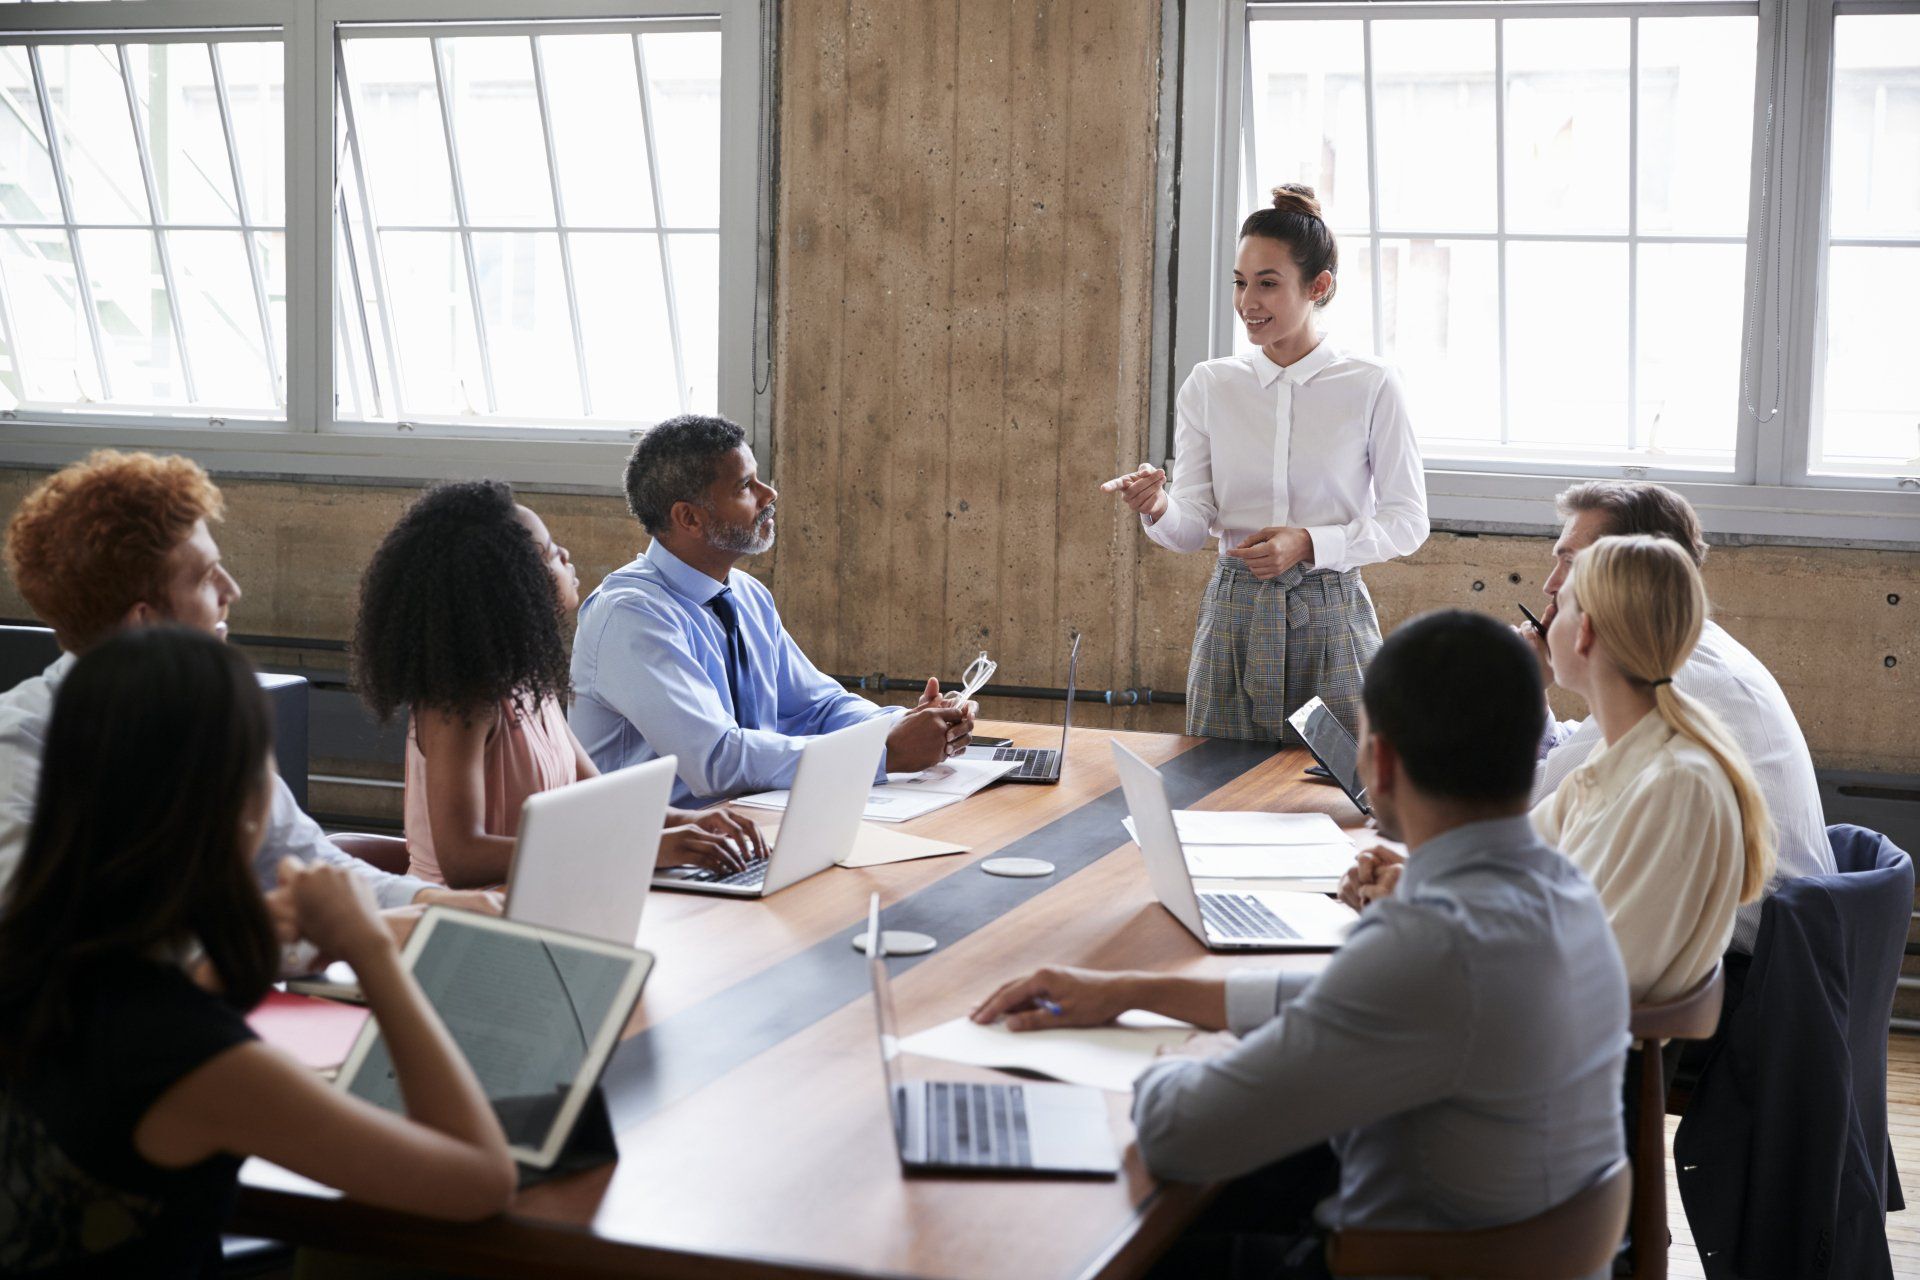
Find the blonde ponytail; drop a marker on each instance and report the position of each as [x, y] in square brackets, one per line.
[1647, 604]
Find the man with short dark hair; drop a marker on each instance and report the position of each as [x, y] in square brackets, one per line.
[679, 654]
[1720, 672]
[1462, 1052]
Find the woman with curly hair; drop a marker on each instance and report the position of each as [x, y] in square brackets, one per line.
[461, 624]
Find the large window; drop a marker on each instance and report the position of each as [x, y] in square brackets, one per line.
[400, 237]
[1667, 238]
[142, 226]
[531, 225]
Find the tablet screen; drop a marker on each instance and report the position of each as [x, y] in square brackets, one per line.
[1332, 746]
[535, 1011]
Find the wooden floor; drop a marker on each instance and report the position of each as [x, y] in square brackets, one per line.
[1903, 1118]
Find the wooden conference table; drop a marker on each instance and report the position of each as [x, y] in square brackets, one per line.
[748, 1096]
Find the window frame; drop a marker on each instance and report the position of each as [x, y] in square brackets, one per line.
[311, 440]
[1773, 492]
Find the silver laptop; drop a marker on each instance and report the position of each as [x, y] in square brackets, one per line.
[1333, 747]
[985, 1128]
[824, 805]
[1039, 764]
[584, 857]
[1254, 920]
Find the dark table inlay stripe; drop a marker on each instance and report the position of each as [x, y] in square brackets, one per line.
[677, 1056]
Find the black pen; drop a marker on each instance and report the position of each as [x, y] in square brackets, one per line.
[1534, 622]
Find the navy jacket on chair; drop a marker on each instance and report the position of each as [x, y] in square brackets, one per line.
[1783, 1155]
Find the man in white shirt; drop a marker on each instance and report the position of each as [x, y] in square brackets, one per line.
[1721, 673]
[120, 540]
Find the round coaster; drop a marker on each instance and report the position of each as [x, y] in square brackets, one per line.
[1021, 867]
[898, 942]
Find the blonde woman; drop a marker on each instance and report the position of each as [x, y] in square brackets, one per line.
[1666, 817]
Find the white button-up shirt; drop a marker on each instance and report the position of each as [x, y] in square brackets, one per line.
[1654, 823]
[1323, 444]
[1729, 681]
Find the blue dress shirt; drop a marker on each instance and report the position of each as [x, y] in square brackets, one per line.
[650, 679]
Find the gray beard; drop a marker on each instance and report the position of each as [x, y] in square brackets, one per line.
[743, 539]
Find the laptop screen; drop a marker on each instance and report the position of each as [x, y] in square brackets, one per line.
[1066, 723]
[889, 1025]
[535, 1011]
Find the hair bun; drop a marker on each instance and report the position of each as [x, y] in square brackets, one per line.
[1296, 197]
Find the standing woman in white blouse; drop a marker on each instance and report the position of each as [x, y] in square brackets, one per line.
[1300, 459]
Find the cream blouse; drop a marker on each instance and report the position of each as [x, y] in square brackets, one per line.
[1653, 821]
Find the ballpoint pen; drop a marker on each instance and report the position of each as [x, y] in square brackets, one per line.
[1534, 622]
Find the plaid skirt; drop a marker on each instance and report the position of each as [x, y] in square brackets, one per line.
[1262, 649]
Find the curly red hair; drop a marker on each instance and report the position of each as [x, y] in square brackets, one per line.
[92, 541]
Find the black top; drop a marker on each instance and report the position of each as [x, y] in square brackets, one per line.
[76, 1199]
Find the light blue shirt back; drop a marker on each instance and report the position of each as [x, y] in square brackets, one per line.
[650, 679]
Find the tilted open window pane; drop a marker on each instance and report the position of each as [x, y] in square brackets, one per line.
[1868, 420]
[1545, 218]
[139, 195]
[528, 226]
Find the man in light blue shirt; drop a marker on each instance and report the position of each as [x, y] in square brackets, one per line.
[1457, 1063]
[679, 654]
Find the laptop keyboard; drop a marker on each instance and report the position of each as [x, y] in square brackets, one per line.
[1035, 762]
[753, 875]
[977, 1125]
[1241, 915]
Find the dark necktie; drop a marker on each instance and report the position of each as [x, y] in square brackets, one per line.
[736, 653]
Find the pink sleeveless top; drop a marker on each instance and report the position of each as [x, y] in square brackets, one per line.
[525, 754]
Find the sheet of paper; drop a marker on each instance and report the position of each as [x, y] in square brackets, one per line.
[1321, 863]
[1104, 1057]
[957, 777]
[318, 1033]
[911, 795]
[1204, 826]
[876, 846]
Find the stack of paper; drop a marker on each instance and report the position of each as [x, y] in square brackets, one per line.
[1221, 845]
[911, 795]
[877, 846]
[1105, 1057]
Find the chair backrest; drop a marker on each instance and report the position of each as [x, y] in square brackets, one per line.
[25, 652]
[1692, 1016]
[1573, 1239]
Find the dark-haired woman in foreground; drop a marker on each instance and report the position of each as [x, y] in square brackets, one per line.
[461, 623]
[1300, 459]
[133, 943]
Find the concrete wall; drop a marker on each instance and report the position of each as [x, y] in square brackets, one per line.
[963, 301]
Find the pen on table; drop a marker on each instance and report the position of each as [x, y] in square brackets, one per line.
[1534, 622]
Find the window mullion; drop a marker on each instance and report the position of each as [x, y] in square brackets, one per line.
[246, 220]
[560, 221]
[145, 150]
[1500, 211]
[83, 286]
[460, 212]
[375, 258]
[1373, 193]
[1633, 236]
[1249, 154]
[660, 221]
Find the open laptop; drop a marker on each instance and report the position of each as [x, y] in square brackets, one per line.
[824, 805]
[582, 862]
[537, 1013]
[1252, 920]
[584, 857]
[1333, 747]
[1039, 764]
[955, 1125]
